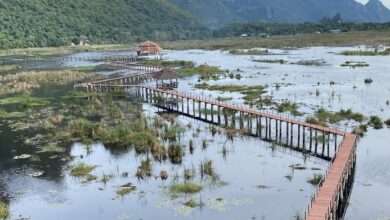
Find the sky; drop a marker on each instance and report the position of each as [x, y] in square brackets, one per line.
[385, 2]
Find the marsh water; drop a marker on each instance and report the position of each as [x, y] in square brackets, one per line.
[252, 171]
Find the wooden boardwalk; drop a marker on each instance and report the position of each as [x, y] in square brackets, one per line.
[331, 199]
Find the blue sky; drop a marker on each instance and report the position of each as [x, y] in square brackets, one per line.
[385, 2]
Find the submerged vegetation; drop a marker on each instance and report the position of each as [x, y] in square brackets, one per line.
[81, 169]
[289, 107]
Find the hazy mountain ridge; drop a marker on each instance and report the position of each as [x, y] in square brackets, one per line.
[219, 12]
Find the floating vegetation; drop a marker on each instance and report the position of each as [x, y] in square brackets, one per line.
[352, 64]
[230, 133]
[315, 179]
[280, 61]
[81, 170]
[262, 187]
[310, 63]
[169, 63]
[144, 170]
[23, 156]
[52, 148]
[10, 115]
[4, 210]
[253, 52]
[375, 52]
[205, 72]
[90, 177]
[125, 189]
[175, 153]
[289, 107]
[375, 122]
[187, 188]
[289, 177]
[204, 144]
[297, 167]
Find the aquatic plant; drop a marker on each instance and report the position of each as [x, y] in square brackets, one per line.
[375, 122]
[188, 174]
[175, 153]
[144, 170]
[52, 148]
[289, 107]
[280, 61]
[375, 52]
[204, 144]
[368, 81]
[354, 64]
[163, 175]
[315, 179]
[191, 146]
[4, 210]
[230, 133]
[125, 189]
[25, 101]
[186, 187]
[206, 168]
[159, 151]
[248, 52]
[387, 122]
[81, 169]
[26, 81]
[205, 72]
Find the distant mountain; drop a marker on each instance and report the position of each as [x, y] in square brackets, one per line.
[217, 13]
[33, 23]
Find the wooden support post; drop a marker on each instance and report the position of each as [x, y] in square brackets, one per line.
[266, 129]
[276, 130]
[225, 117]
[257, 126]
[269, 129]
[234, 119]
[299, 136]
[292, 135]
[241, 121]
[328, 144]
[316, 141]
[188, 106]
[323, 143]
[205, 110]
[212, 112]
[199, 109]
[304, 138]
[287, 127]
[219, 114]
[311, 138]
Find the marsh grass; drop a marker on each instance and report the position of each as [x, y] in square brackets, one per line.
[289, 107]
[25, 101]
[175, 153]
[271, 61]
[315, 179]
[253, 52]
[144, 170]
[207, 168]
[164, 175]
[352, 64]
[375, 122]
[81, 170]
[322, 117]
[168, 63]
[205, 72]
[52, 148]
[26, 81]
[4, 210]
[186, 188]
[375, 52]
